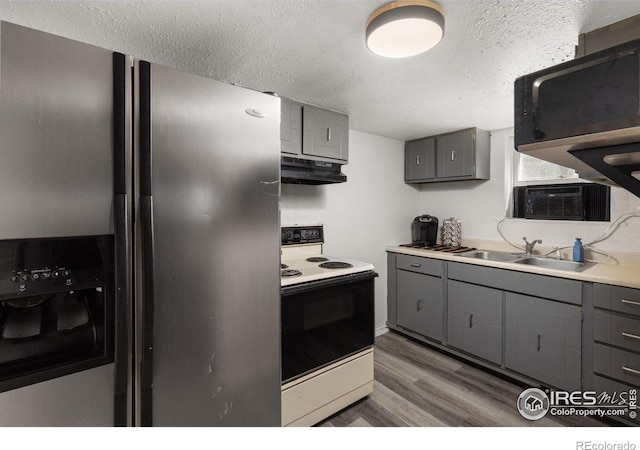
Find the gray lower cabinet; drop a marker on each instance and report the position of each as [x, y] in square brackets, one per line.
[474, 320]
[616, 342]
[543, 340]
[525, 325]
[420, 301]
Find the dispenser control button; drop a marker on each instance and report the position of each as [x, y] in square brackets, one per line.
[66, 272]
[24, 277]
[13, 278]
[35, 276]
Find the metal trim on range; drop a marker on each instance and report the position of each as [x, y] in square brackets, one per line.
[321, 284]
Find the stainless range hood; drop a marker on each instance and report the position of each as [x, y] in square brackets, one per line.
[304, 171]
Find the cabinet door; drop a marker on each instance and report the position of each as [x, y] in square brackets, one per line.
[474, 320]
[420, 160]
[325, 133]
[420, 300]
[290, 127]
[543, 340]
[455, 154]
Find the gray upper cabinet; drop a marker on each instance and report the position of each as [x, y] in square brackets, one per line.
[460, 155]
[420, 160]
[456, 154]
[325, 133]
[290, 127]
[313, 133]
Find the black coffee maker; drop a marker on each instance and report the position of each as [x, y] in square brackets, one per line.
[424, 230]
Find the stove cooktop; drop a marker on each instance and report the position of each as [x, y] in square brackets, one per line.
[319, 267]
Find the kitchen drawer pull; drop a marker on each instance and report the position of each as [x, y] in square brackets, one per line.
[453, 155]
[471, 321]
[328, 134]
[629, 335]
[630, 302]
[539, 339]
[417, 160]
[630, 370]
[416, 265]
[419, 305]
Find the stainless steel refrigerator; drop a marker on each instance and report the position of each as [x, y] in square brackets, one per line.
[181, 174]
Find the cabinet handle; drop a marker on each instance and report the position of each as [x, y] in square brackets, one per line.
[629, 335]
[453, 155]
[417, 160]
[416, 265]
[539, 338]
[630, 302]
[328, 134]
[630, 370]
[418, 305]
[470, 320]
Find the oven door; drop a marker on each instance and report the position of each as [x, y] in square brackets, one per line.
[325, 321]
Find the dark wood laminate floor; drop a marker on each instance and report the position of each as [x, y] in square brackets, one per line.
[417, 386]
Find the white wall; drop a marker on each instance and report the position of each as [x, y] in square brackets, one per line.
[374, 208]
[481, 204]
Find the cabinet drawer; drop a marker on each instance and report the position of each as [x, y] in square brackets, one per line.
[420, 265]
[617, 298]
[560, 289]
[618, 364]
[616, 390]
[617, 330]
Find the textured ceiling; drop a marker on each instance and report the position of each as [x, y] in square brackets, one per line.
[314, 51]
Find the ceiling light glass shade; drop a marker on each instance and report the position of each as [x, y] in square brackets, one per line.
[405, 28]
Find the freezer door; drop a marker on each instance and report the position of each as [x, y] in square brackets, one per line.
[208, 284]
[56, 136]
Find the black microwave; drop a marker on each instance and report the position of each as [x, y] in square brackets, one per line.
[595, 97]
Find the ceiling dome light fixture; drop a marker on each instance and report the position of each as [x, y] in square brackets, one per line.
[405, 28]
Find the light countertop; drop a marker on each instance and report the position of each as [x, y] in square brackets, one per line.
[622, 270]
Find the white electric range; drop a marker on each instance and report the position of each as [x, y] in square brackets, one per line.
[327, 328]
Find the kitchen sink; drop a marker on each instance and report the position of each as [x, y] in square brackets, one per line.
[529, 260]
[491, 255]
[554, 264]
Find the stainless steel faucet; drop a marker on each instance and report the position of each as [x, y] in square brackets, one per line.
[530, 245]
